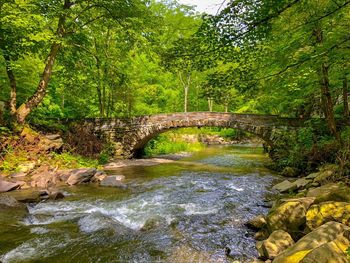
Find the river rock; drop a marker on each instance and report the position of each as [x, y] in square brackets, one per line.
[285, 186]
[7, 201]
[27, 196]
[326, 174]
[44, 177]
[113, 181]
[154, 223]
[277, 242]
[6, 186]
[322, 213]
[330, 192]
[334, 251]
[302, 183]
[302, 251]
[290, 216]
[79, 176]
[98, 221]
[99, 176]
[257, 222]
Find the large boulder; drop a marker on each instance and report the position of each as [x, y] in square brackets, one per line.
[322, 213]
[6, 186]
[330, 192]
[306, 248]
[333, 251]
[80, 176]
[289, 216]
[277, 242]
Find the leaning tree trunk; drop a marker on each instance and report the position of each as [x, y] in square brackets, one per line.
[26, 108]
[345, 97]
[13, 85]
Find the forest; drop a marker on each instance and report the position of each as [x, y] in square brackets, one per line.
[240, 118]
[85, 59]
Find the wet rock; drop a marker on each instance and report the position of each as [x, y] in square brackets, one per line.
[56, 195]
[322, 213]
[154, 223]
[188, 254]
[285, 186]
[27, 196]
[79, 176]
[290, 216]
[277, 242]
[113, 181]
[99, 176]
[330, 192]
[290, 172]
[6, 186]
[305, 250]
[7, 201]
[257, 223]
[97, 222]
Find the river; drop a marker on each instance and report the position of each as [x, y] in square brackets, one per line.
[186, 211]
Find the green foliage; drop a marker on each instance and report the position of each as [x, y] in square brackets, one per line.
[69, 160]
[165, 144]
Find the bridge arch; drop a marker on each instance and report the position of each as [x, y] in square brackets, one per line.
[132, 134]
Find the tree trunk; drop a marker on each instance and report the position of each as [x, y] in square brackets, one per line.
[326, 97]
[345, 97]
[210, 104]
[26, 108]
[327, 101]
[13, 85]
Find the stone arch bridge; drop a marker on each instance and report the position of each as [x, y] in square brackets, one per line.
[132, 134]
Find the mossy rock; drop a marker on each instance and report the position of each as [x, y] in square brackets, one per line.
[337, 192]
[318, 245]
[290, 216]
[320, 214]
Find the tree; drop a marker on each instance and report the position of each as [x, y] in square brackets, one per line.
[72, 18]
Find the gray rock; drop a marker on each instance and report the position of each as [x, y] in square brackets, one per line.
[81, 176]
[113, 181]
[7, 201]
[285, 186]
[6, 186]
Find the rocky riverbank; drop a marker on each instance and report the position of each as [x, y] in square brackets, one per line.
[308, 223]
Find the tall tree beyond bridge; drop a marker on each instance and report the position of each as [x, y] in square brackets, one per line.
[132, 134]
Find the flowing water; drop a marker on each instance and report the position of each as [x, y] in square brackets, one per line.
[186, 211]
